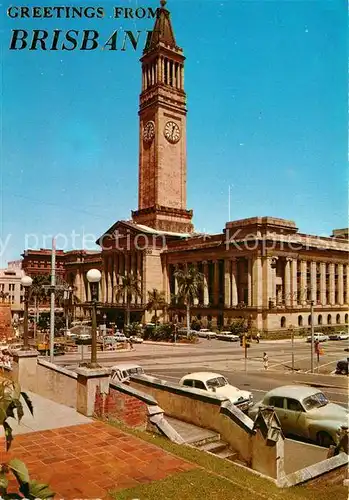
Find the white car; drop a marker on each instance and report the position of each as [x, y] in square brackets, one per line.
[320, 337]
[122, 371]
[306, 412]
[228, 336]
[136, 340]
[120, 337]
[214, 382]
[206, 334]
[339, 336]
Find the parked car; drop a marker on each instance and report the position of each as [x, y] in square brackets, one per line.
[339, 336]
[206, 334]
[228, 336]
[120, 337]
[320, 337]
[342, 367]
[214, 382]
[136, 340]
[306, 412]
[122, 371]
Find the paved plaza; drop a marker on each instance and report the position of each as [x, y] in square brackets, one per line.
[89, 460]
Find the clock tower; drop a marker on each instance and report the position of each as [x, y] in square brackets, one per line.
[162, 132]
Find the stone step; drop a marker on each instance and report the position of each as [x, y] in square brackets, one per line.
[226, 453]
[192, 434]
[214, 446]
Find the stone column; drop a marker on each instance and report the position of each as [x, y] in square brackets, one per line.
[139, 274]
[257, 292]
[215, 281]
[103, 292]
[347, 283]
[206, 296]
[294, 288]
[249, 281]
[287, 283]
[313, 281]
[323, 283]
[303, 289]
[227, 283]
[340, 285]
[196, 299]
[182, 77]
[331, 283]
[234, 289]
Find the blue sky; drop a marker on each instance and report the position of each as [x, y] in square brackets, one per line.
[267, 114]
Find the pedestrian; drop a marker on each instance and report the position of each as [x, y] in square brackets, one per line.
[257, 337]
[131, 344]
[265, 360]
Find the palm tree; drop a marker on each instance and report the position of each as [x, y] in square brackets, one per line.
[39, 294]
[156, 302]
[189, 281]
[129, 286]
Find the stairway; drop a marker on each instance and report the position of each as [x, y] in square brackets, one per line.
[202, 439]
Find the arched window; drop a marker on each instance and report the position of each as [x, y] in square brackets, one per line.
[338, 319]
[319, 319]
[283, 322]
[329, 319]
[346, 318]
[309, 319]
[300, 320]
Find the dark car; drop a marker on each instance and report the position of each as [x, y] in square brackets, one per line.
[342, 366]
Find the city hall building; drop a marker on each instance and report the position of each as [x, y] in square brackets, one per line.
[261, 268]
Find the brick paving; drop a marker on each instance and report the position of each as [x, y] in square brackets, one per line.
[86, 461]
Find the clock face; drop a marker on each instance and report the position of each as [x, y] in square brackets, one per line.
[172, 132]
[149, 131]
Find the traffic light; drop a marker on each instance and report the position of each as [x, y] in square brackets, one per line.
[242, 340]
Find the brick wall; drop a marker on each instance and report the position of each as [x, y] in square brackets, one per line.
[123, 407]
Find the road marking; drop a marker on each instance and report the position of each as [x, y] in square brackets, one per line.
[320, 366]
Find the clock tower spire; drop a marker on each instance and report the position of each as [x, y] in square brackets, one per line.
[162, 132]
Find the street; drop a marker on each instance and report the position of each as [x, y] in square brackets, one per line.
[172, 362]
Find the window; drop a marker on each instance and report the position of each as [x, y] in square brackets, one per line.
[338, 319]
[319, 320]
[309, 319]
[276, 401]
[346, 317]
[329, 319]
[315, 401]
[198, 384]
[216, 382]
[283, 322]
[294, 405]
[188, 383]
[300, 320]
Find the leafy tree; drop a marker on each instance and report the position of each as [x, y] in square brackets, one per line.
[190, 282]
[156, 302]
[39, 295]
[239, 326]
[128, 287]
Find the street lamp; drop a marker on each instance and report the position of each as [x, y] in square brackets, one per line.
[94, 277]
[26, 282]
[291, 329]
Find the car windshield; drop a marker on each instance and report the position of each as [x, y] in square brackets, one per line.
[315, 401]
[217, 382]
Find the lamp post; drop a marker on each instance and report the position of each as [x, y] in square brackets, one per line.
[292, 345]
[94, 277]
[312, 335]
[26, 282]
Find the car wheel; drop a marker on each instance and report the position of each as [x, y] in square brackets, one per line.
[344, 372]
[207, 337]
[324, 439]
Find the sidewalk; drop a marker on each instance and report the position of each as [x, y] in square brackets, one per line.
[47, 415]
[86, 461]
